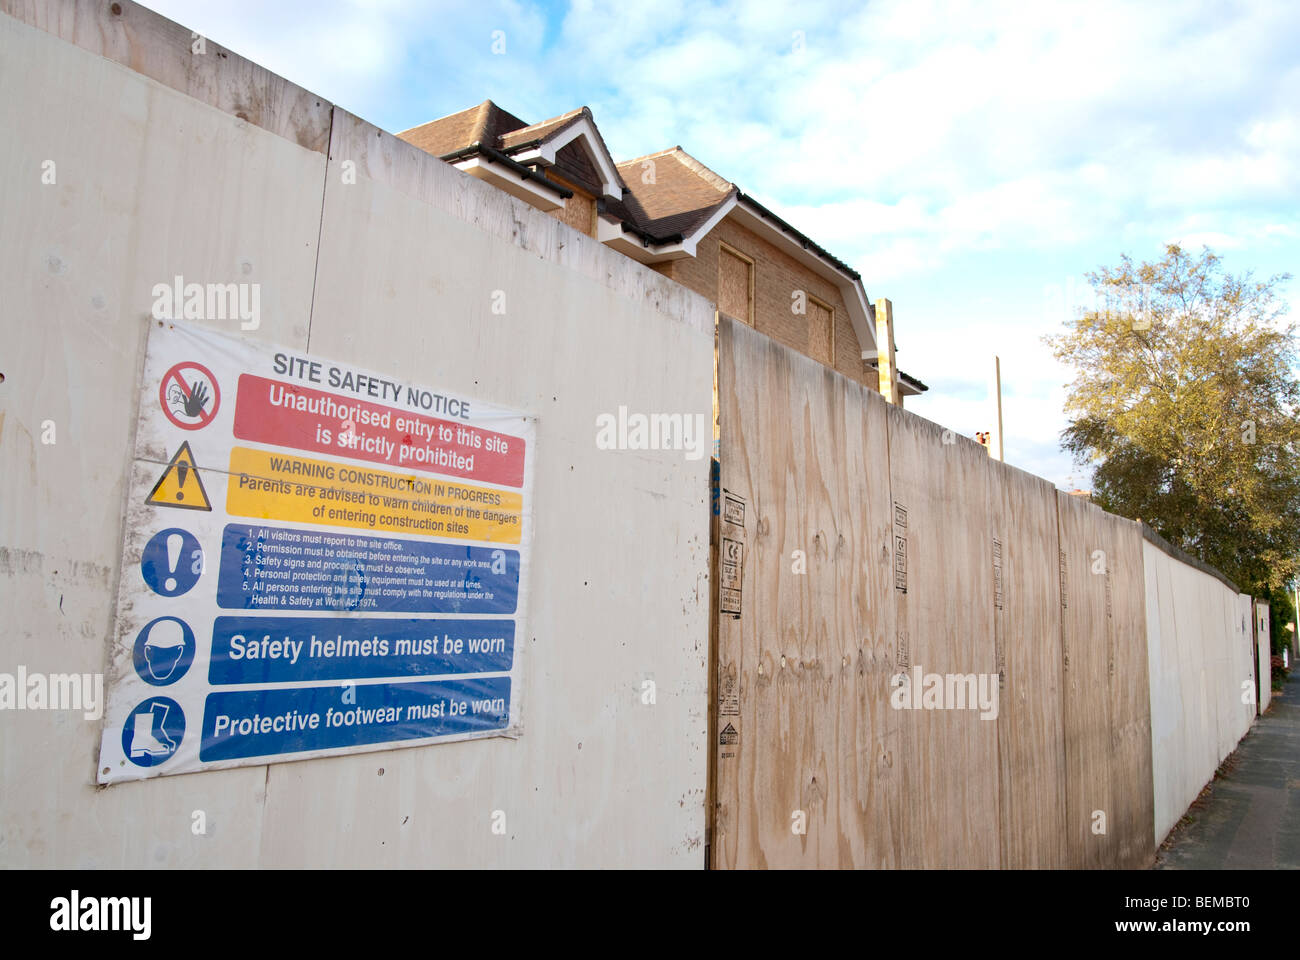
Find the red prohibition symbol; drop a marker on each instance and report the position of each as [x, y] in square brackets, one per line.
[189, 395]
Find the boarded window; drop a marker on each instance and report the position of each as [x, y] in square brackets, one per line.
[579, 210]
[821, 332]
[735, 284]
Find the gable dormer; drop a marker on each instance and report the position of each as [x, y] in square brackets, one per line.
[548, 143]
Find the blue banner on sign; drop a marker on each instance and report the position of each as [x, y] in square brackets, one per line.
[262, 723]
[277, 568]
[289, 649]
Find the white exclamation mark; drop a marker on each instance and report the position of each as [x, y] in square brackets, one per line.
[174, 543]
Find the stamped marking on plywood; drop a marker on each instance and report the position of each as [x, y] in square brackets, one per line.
[1110, 633]
[733, 568]
[1065, 603]
[733, 510]
[900, 547]
[729, 696]
[997, 573]
[999, 639]
[728, 736]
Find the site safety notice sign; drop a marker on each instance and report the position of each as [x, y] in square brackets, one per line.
[317, 559]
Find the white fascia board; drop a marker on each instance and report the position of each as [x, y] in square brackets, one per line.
[855, 295]
[535, 153]
[503, 178]
[615, 237]
[906, 389]
[546, 151]
[718, 216]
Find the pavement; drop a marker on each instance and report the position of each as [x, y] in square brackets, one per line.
[1249, 818]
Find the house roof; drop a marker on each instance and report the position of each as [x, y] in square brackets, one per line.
[668, 200]
[666, 196]
[486, 124]
[536, 133]
[669, 193]
[486, 128]
[911, 380]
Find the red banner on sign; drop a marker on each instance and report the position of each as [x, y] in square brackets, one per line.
[291, 415]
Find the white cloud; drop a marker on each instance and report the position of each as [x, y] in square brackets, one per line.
[1208, 238]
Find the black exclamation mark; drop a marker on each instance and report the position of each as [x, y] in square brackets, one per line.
[181, 470]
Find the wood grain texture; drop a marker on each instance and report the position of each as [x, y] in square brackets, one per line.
[945, 618]
[812, 653]
[1086, 656]
[1107, 695]
[1133, 820]
[1031, 736]
[921, 553]
[821, 332]
[735, 285]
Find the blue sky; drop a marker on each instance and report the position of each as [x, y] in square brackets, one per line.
[972, 161]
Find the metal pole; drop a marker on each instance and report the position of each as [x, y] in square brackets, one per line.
[996, 449]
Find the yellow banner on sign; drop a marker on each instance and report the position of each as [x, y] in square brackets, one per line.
[278, 486]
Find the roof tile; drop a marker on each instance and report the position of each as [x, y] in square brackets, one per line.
[671, 192]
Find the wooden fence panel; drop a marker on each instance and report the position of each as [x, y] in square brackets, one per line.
[1027, 619]
[1132, 816]
[1086, 657]
[944, 600]
[864, 550]
[805, 728]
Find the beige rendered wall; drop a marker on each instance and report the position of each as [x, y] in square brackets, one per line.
[387, 258]
[1202, 679]
[1264, 651]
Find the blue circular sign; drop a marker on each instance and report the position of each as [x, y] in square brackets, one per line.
[153, 732]
[163, 651]
[171, 562]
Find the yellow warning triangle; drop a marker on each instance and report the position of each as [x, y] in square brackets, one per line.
[180, 485]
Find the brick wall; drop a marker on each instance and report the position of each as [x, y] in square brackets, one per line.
[776, 276]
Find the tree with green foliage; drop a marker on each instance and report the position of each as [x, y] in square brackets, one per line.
[1187, 405]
